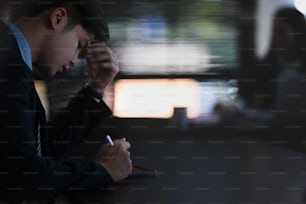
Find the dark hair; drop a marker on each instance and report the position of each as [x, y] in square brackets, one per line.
[88, 13]
[296, 20]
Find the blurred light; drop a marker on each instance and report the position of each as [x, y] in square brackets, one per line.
[301, 6]
[156, 98]
[154, 28]
[148, 29]
[213, 92]
[164, 58]
[42, 92]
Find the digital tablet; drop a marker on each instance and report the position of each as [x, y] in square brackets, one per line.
[141, 172]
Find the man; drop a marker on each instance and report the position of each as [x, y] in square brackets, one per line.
[46, 38]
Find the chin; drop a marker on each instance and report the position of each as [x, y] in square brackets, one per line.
[44, 72]
[51, 72]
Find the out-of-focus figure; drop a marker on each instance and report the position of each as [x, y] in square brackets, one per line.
[275, 82]
[285, 56]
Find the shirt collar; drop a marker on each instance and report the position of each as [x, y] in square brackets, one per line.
[23, 45]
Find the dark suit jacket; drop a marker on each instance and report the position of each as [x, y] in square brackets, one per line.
[22, 173]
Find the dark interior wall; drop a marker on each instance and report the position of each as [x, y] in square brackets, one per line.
[247, 32]
[247, 21]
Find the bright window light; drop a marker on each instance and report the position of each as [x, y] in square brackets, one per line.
[165, 58]
[156, 98]
[301, 6]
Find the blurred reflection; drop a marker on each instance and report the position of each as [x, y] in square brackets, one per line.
[156, 98]
[164, 58]
[284, 57]
[42, 92]
[191, 37]
[301, 6]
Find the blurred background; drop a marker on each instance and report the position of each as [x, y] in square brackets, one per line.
[188, 64]
[176, 55]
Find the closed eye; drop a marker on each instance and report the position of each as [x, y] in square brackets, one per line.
[80, 45]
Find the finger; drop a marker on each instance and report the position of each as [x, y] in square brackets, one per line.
[98, 57]
[97, 44]
[107, 55]
[126, 145]
[101, 49]
[100, 46]
[106, 66]
[96, 49]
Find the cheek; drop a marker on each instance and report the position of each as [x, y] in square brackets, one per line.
[69, 49]
[65, 43]
[60, 50]
[53, 56]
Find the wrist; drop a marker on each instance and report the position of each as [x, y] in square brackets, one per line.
[95, 86]
[97, 95]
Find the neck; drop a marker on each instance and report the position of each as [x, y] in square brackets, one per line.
[28, 29]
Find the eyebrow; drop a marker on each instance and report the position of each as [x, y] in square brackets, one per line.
[86, 44]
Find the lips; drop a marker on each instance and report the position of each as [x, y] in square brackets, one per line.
[65, 68]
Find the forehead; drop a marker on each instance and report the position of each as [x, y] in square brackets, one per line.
[83, 34]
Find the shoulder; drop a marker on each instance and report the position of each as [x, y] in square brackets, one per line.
[11, 61]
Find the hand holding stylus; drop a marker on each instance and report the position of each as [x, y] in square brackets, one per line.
[115, 158]
[109, 139]
[102, 65]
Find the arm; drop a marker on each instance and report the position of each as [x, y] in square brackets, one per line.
[87, 109]
[76, 122]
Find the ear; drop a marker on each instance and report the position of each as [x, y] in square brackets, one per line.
[58, 18]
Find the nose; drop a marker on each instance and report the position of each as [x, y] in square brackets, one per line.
[75, 59]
